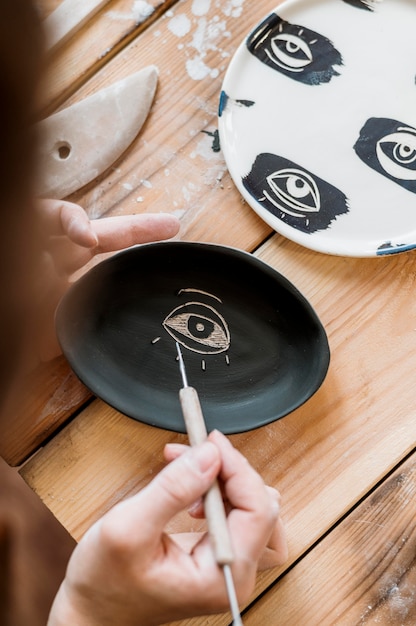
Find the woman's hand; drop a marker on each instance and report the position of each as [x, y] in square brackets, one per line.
[68, 241]
[128, 571]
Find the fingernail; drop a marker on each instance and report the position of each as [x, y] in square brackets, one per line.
[206, 456]
[196, 506]
[217, 434]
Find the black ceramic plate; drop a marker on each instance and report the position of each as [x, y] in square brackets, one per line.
[252, 345]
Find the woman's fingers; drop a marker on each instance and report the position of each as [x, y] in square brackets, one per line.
[276, 552]
[112, 234]
[60, 218]
[174, 489]
[115, 233]
[274, 537]
[254, 514]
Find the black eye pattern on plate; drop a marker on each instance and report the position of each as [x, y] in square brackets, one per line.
[293, 194]
[368, 5]
[295, 51]
[389, 147]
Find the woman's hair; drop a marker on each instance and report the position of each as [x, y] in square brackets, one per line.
[21, 55]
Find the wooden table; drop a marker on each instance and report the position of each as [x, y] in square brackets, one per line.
[345, 462]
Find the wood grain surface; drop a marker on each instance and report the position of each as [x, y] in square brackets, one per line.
[362, 573]
[96, 43]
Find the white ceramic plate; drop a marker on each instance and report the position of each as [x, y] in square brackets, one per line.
[317, 123]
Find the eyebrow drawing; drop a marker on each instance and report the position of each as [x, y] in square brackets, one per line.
[295, 51]
[204, 293]
[389, 147]
[294, 195]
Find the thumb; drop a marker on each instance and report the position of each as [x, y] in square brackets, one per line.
[175, 488]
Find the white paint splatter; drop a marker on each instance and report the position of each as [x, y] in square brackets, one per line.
[207, 34]
[140, 11]
[186, 194]
[201, 7]
[128, 186]
[179, 212]
[205, 39]
[105, 52]
[180, 25]
[146, 183]
[197, 69]
[189, 190]
[233, 8]
[204, 149]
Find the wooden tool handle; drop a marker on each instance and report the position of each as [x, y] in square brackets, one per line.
[213, 503]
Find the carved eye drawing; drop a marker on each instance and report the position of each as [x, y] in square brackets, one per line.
[198, 327]
[289, 52]
[389, 147]
[397, 153]
[293, 191]
[294, 50]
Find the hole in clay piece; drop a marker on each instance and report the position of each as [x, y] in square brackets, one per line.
[63, 150]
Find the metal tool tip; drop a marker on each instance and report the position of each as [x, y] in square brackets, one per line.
[181, 365]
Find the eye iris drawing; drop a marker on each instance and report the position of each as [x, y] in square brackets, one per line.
[290, 52]
[405, 154]
[198, 326]
[389, 148]
[397, 150]
[293, 191]
[208, 333]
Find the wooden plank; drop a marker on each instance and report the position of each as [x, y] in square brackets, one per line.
[48, 396]
[363, 572]
[71, 64]
[323, 457]
[46, 7]
[68, 18]
[208, 45]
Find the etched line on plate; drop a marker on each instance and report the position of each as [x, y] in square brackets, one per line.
[198, 326]
[204, 293]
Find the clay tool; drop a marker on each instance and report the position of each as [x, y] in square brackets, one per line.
[213, 502]
[80, 142]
